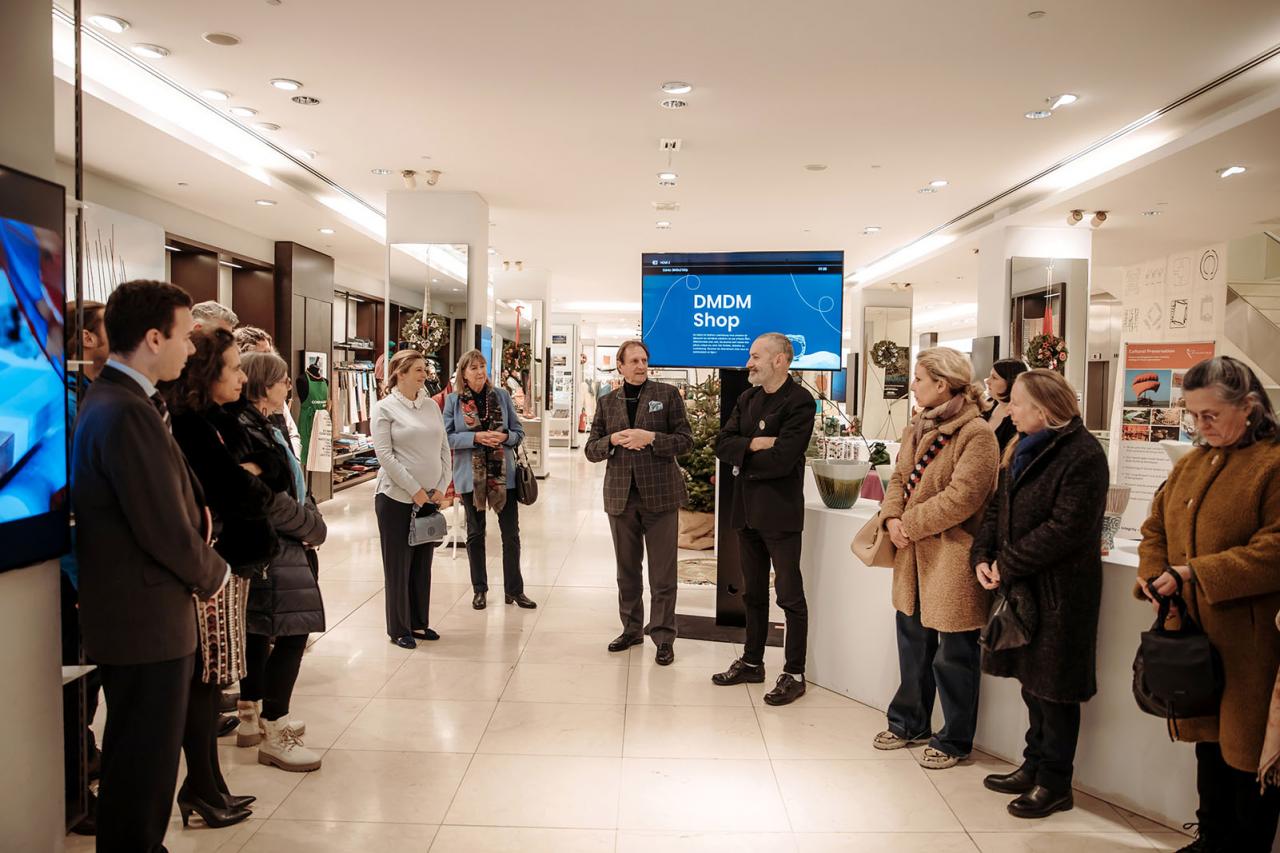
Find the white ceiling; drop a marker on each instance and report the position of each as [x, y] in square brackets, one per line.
[550, 111]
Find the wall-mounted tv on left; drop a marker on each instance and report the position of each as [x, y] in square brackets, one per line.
[704, 310]
[33, 384]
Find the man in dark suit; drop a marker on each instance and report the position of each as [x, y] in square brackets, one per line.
[764, 441]
[640, 429]
[142, 542]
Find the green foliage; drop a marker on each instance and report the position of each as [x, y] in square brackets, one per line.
[879, 454]
[702, 404]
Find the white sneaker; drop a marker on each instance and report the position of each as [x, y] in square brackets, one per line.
[283, 748]
[250, 731]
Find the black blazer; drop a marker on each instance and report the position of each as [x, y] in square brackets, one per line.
[140, 530]
[768, 492]
[654, 470]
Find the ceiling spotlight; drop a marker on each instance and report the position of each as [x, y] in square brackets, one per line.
[221, 39]
[674, 104]
[663, 225]
[926, 190]
[244, 112]
[286, 84]
[1038, 114]
[667, 177]
[1098, 218]
[215, 95]
[306, 155]
[676, 87]
[265, 202]
[268, 126]
[326, 231]
[1075, 217]
[506, 266]
[870, 229]
[305, 100]
[110, 23]
[410, 178]
[1063, 100]
[150, 51]
[380, 172]
[1231, 170]
[938, 184]
[519, 266]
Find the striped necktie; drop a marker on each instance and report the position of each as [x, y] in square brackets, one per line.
[158, 402]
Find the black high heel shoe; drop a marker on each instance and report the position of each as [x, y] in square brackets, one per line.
[237, 803]
[211, 815]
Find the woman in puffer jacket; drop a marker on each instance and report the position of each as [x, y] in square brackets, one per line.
[285, 606]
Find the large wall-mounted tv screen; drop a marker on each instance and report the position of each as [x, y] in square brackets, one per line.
[33, 386]
[704, 310]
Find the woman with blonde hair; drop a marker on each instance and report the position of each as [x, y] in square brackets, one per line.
[945, 474]
[1039, 547]
[413, 458]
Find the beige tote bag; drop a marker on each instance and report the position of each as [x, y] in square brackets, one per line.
[872, 544]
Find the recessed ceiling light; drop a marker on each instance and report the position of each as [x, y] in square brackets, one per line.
[493, 251]
[1231, 170]
[926, 190]
[380, 172]
[667, 176]
[221, 39]
[1038, 114]
[326, 230]
[183, 184]
[676, 87]
[871, 229]
[305, 100]
[816, 167]
[286, 84]
[1152, 212]
[435, 281]
[244, 112]
[1063, 100]
[268, 126]
[110, 23]
[938, 183]
[1036, 15]
[305, 154]
[664, 225]
[150, 51]
[265, 202]
[674, 104]
[215, 95]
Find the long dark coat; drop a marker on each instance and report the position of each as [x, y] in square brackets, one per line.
[1044, 532]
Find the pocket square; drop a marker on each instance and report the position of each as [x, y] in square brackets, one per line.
[655, 405]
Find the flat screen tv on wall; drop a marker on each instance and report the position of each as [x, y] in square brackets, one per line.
[704, 310]
[33, 383]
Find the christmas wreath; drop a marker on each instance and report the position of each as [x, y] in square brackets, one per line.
[429, 335]
[516, 357]
[1046, 351]
[884, 354]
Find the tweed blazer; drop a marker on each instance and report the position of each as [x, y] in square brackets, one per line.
[941, 519]
[1219, 512]
[654, 470]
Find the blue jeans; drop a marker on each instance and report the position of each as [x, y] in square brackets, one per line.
[948, 665]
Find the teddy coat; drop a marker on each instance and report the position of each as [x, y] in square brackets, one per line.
[1043, 532]
[941, 519]
[1219, 513]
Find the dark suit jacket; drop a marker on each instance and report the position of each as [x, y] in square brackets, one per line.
[657, 476]
[139, 530]
[768, 492]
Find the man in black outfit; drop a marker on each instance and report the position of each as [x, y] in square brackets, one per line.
[142, 542]
[764, 440]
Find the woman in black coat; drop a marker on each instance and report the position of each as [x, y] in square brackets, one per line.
[284, 605]
[238, 501]
[1040, 544]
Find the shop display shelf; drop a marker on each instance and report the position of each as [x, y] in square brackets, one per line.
[355, 481]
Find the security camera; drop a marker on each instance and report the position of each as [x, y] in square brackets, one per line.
[410, 179]
[433, 175]
[1075, 217]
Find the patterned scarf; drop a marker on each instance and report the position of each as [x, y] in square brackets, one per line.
[488, 464]
[931, 419]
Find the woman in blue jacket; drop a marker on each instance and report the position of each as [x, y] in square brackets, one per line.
[484, 431]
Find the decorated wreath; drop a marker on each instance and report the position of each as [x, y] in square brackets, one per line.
[884, 354]
[516, 357]
[1046, 351]
[429, 335]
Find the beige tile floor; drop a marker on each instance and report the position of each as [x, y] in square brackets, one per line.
[517, 731]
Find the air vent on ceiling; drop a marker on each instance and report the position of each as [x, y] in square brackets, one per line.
[670, 144]
[666, 205]
[674, 104]
[305, 100]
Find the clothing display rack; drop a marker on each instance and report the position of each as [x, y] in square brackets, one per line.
[354, 393]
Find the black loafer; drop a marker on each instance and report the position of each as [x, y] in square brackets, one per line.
[477, 601]
[405, 642]
[1041, 802]
[666, 655]
[226, 725]
[522, 600]
[787, 690]
[424, 634]
[1019, 781]
[739, 673]
[623, 642]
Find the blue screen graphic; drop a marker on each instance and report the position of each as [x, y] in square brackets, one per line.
[839, 386]
[486, 346]
[705, 310]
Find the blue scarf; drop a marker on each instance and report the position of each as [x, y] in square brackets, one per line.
[299, 479]
[1029, 446]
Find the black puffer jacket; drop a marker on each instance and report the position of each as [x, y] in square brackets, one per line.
[1044, 531]
[287, 602]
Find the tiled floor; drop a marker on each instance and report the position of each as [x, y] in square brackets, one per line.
[517, 731]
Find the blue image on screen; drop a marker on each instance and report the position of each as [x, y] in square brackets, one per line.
[706, 313]
[839, 386]
[486, 346]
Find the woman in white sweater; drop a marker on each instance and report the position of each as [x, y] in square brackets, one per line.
[413, 452]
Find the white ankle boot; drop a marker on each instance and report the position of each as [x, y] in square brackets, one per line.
[250, 731]
[299, 727]
[283, 748]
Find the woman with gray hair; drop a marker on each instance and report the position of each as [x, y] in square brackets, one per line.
[285, 606]
[484, 430]
[1213, 536]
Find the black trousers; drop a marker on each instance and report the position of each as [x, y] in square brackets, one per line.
[147, 709]
[933, 663]
[407, 570]
[1051, 741]
[1232, 810]
[271, 670]
[758, 548]
[509, 524]
[200, 743]
[633, 531]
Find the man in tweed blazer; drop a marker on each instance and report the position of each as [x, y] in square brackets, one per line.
[640, 429]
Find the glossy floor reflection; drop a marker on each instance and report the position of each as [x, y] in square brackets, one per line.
[518, 731]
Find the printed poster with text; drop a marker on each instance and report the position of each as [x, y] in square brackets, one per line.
[1153, 411]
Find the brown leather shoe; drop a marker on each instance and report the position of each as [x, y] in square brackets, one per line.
[787, 690]
[739, 673]
[622, 642]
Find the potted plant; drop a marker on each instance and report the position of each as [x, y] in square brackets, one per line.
[697, 518]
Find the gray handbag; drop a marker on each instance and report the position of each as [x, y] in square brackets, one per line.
[427, 526]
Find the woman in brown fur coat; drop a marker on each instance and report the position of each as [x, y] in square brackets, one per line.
[945, 475]
[1216, 524]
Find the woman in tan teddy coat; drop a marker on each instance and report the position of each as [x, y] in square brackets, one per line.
[945, 475]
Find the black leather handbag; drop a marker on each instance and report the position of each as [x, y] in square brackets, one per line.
[1006, 629]
[1177, 673]
[526, 483]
